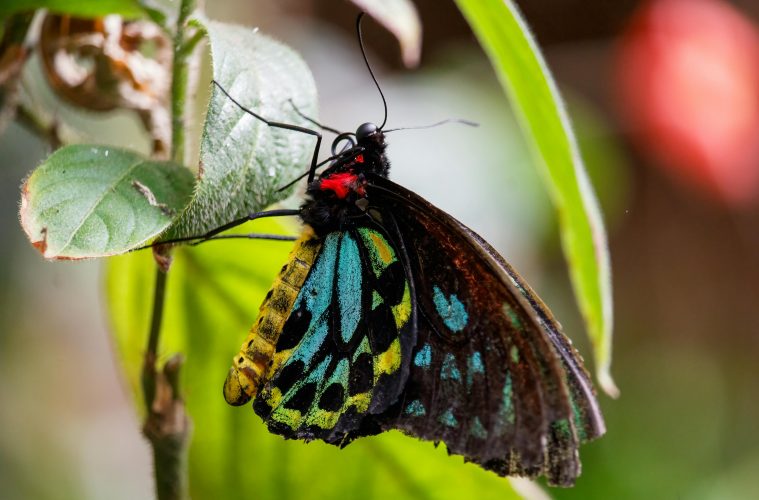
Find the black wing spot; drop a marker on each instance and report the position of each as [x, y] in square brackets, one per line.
[303, 398]
[261, 407]
[290, 374]
[361, 375]
[333, 397]
[294, 329]
[268, 294]
[358, 335]
[392, 283]
[382, 328]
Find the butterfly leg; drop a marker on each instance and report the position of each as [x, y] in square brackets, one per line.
[249, 236]
[321, 163]
[285, 126]
[311, 120]
[229, 225]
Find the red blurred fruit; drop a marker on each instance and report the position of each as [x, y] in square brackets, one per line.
[688, 80]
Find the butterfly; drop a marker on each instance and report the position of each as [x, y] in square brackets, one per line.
[392, 314]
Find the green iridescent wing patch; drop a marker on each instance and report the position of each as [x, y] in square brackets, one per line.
[343, 352]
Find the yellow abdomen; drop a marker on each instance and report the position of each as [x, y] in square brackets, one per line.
[250, 365]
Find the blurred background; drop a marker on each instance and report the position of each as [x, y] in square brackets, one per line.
[664, 96]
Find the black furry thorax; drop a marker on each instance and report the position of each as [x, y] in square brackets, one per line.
[337, 198]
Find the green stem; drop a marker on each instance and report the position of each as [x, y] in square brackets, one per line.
[155, 323]
[151, 353]
[167, 425]
[192, 42]
[180, 75]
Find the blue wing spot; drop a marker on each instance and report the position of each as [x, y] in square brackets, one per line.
[423, 358]
[451, 310]
[563, 428]
[317, 290]
[341, 374]
[310, 344]
[513, 317]
[316, 294]
[415, 408]
[363, 347]
[449, 370]
[507, 404]
[349, 287]
[477, 430]
[316, 376]
[448, 419]
[475, 366]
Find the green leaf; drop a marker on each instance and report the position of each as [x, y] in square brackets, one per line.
[243, 161]
[212, 297]
[402, 20]
[94, 201]
[535, 98]
[81, 8]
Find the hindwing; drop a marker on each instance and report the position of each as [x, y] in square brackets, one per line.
[491, 375]
[343, 351]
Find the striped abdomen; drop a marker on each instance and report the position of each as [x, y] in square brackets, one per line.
[250, 365]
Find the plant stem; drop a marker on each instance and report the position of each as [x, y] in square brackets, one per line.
[167, 425]
[180, 74]
[151, 353]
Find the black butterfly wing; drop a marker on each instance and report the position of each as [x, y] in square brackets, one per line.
[492, 375]
[343, 351]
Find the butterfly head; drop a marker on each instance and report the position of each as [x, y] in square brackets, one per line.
[365, 130]
[338, 196]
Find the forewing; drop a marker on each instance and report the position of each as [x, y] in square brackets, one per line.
[492, 376]
[344, 350]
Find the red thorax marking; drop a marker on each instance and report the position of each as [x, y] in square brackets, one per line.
[360, 159]
[341, 183]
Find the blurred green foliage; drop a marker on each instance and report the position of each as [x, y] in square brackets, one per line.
[83, 8]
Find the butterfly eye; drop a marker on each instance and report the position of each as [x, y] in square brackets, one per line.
[365, 130]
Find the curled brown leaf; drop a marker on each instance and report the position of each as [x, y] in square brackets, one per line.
[107, 63]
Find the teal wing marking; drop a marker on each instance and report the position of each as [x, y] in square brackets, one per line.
[349, 287]
[345, 349]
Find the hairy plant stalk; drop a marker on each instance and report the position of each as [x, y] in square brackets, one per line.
[167, 425]
[180, 76]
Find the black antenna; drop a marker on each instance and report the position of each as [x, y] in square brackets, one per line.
[442, 122]
[363, 53]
